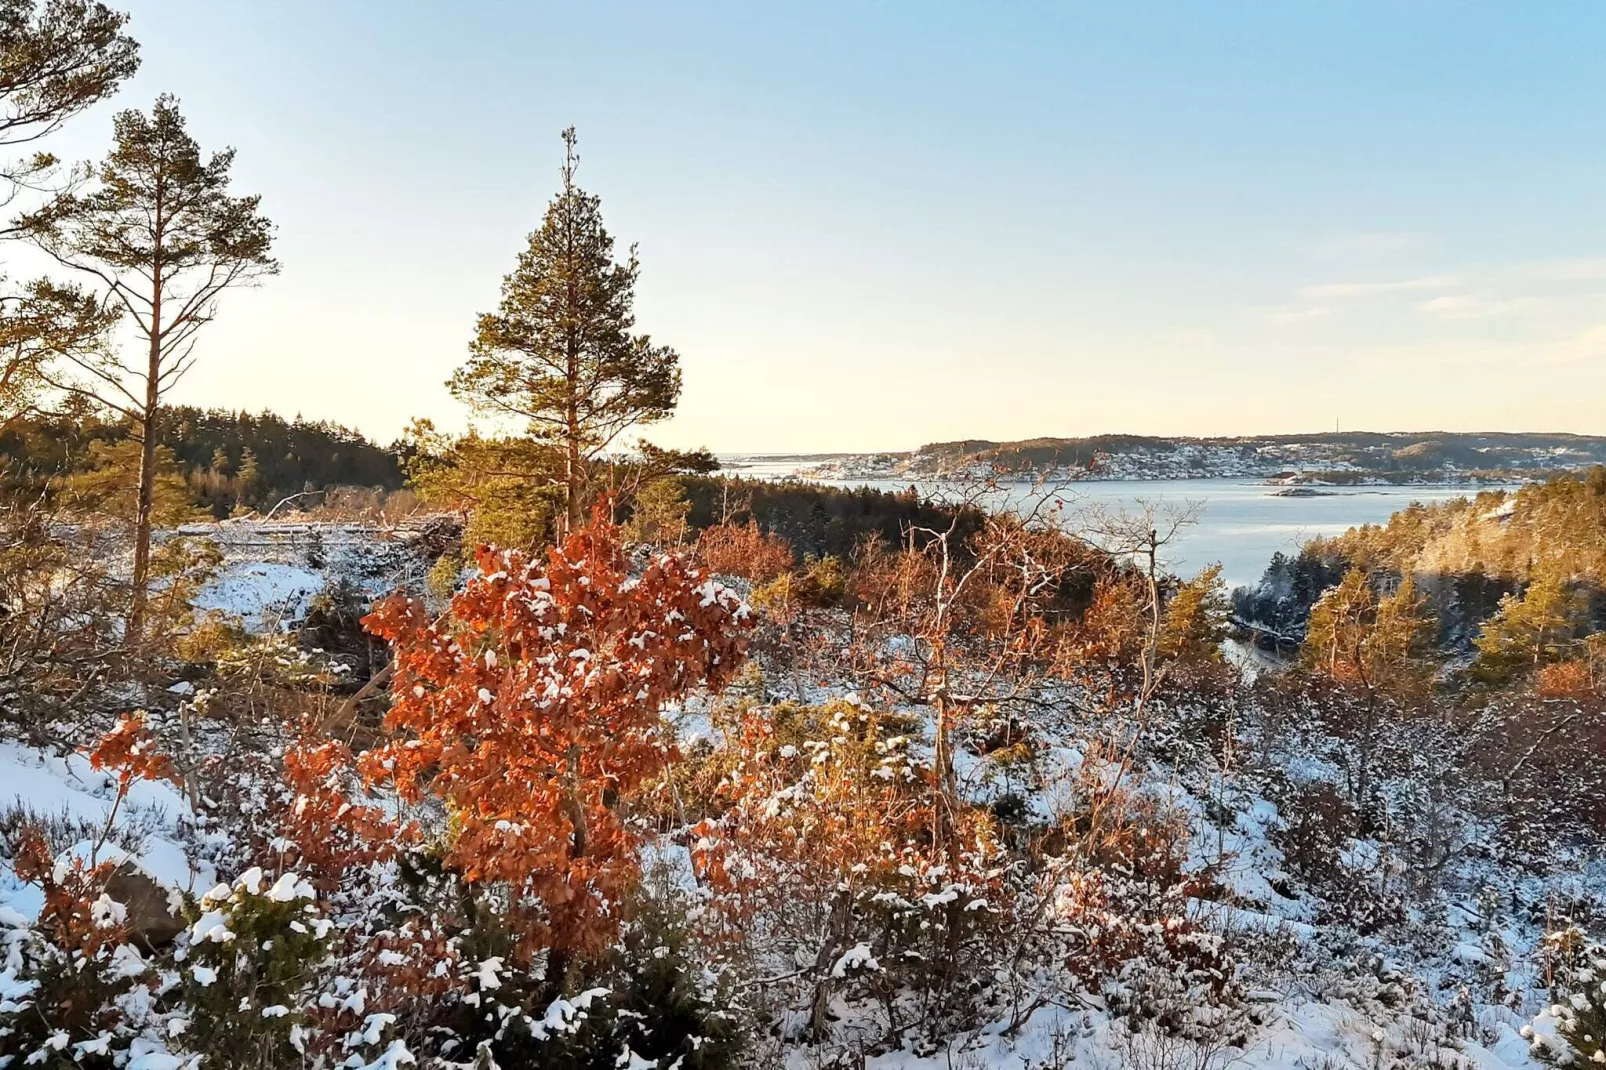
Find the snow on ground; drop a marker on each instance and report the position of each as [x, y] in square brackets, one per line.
[265, 595]
[271, 571]
[54, 787]
[1303, 1034]
[1306, 1026]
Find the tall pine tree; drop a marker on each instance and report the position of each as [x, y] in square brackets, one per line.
[160, 235]
[560, 354]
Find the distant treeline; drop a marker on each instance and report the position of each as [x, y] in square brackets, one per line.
[815, 519]
[235, 461]
[229, 460]
[1382, 453]
[1035, 453]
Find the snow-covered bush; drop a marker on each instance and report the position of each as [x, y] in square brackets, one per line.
[250, 971]
[1572, 1030]
[824, 859]
[1125, 888]
[670, 1007]
[1348, 878]
[67, 979]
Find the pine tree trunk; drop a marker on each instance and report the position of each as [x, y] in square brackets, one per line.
[571, 414]
[573, 477]
[147, 471]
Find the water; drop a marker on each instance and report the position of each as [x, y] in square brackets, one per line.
[1240, 523]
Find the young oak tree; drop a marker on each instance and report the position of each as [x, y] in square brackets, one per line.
[559, 353]
[162, 237]
[533, 706]
[957, 619]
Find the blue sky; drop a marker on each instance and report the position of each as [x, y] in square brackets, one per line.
[872, 225]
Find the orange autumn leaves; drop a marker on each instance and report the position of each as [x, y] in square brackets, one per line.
[831, 799]
[131, 749]
[526, 713]
[534, 705]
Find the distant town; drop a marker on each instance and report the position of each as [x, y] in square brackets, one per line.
[1331, 457]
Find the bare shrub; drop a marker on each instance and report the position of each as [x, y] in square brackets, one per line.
[746, 551]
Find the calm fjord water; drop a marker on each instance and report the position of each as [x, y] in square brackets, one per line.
[1241, 522]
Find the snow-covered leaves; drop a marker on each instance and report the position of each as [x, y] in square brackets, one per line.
[535, 702]
[825, 847]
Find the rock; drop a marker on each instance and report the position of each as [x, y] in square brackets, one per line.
[150, 920]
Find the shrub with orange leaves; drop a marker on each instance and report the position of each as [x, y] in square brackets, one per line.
[829, 829]
[73, 964]
[323, 826]
[76, 915]
[1111, 631]
[131, 749]
[746, 551]
[1569, 679]
[533, 706]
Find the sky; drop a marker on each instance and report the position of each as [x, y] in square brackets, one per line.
[870, 225]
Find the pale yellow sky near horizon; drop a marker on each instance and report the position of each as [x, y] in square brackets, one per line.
[884, 393]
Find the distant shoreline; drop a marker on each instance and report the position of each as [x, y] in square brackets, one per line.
[1326, 459]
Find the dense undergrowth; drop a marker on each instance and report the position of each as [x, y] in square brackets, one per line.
[983, 793]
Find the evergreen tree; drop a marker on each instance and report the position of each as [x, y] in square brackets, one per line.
[1377, 653]
[659, 514]
[107, 485]
[1377, 644]
[503, 487]
[44, 322]
[560, 353]
[1538, 628]
[57, 58]
[1197, 618]
[161, 235]
[248, 480]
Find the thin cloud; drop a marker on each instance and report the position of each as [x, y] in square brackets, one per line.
[1373, 243]
[1193, 336]
[1569, 269]
[1476, 307]
[1590, 345]
[1299, 315]
[1338, 291]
